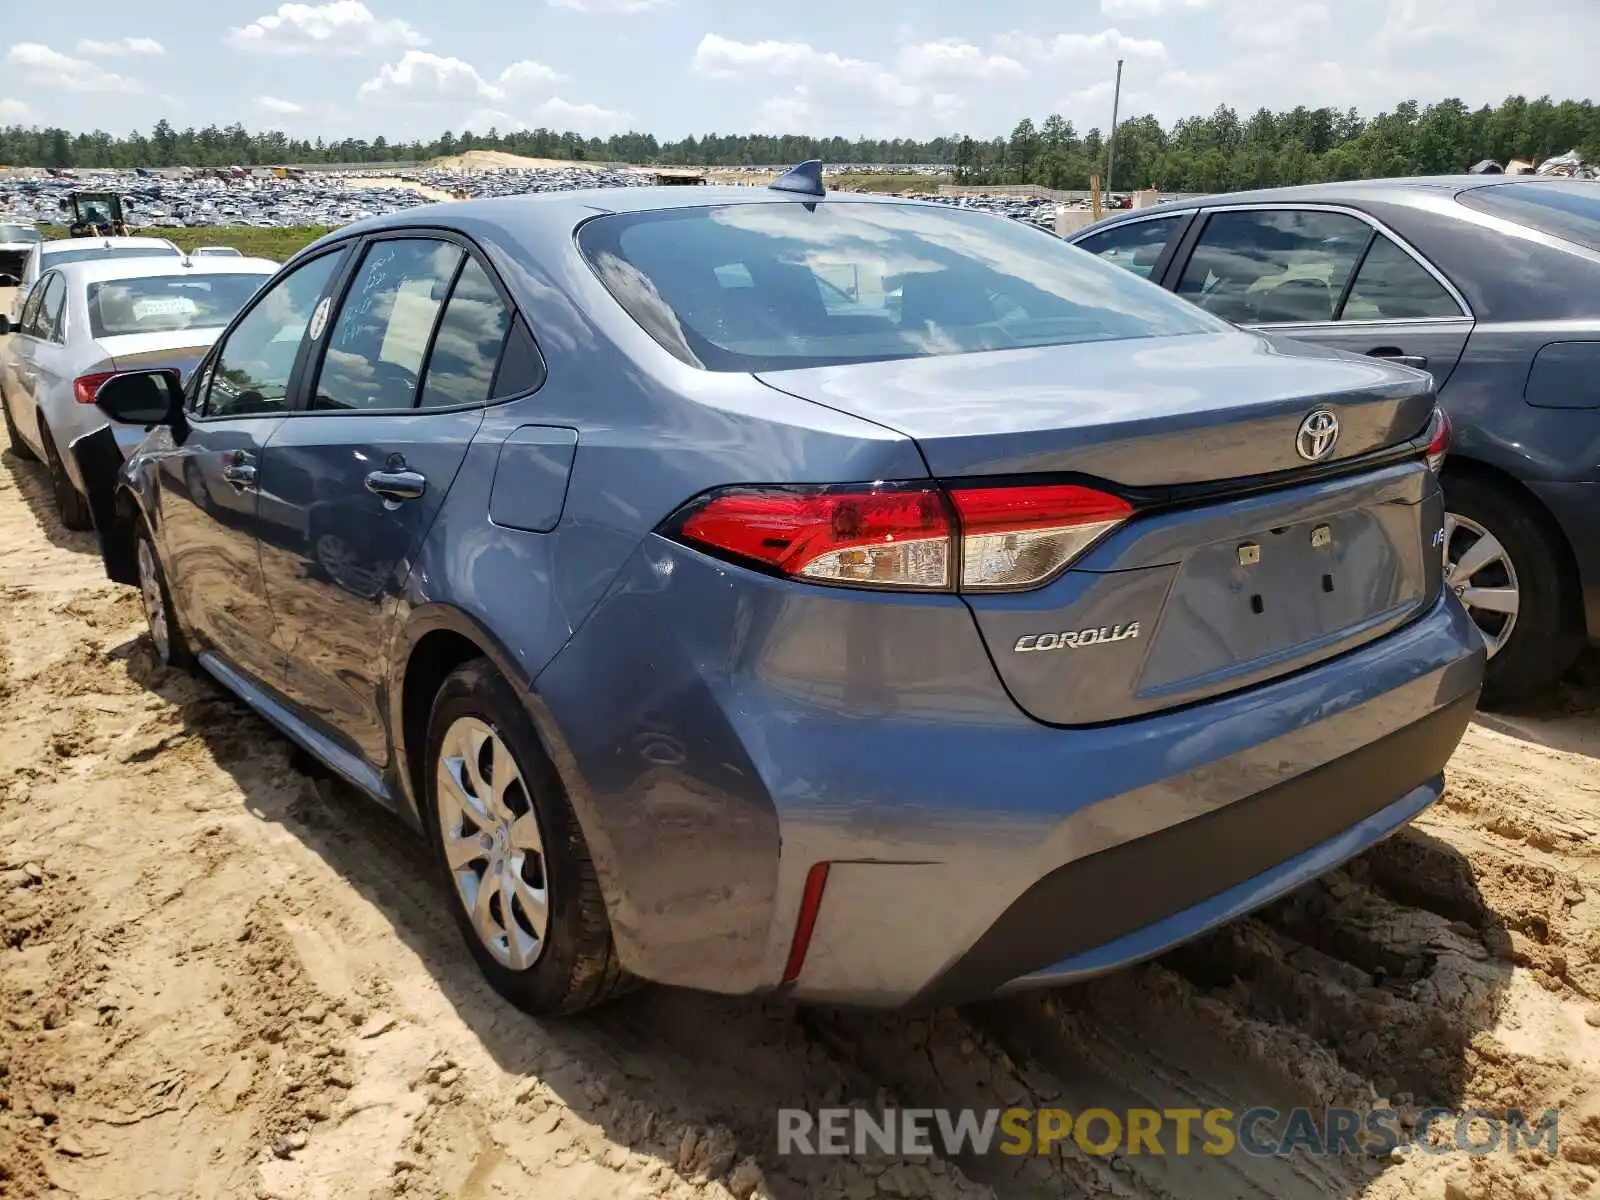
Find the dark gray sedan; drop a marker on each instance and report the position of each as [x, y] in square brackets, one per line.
[1492, 284]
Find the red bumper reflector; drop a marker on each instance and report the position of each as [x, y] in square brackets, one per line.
[810, 902]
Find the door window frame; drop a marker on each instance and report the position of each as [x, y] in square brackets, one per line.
[1180, 235]
[1173, 271]
[309, 369]
[198, 386]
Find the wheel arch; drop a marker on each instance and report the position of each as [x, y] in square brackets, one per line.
[1459, 465]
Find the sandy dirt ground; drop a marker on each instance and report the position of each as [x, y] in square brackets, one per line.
[220, 977]
[496, 160]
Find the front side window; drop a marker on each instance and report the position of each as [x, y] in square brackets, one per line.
[768, 286]
[1135, 245]
[250, 373]
[1273, 265]
[380, 338]
[159, 303]
[1393, 286]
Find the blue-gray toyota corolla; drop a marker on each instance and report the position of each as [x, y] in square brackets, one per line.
[763, 590]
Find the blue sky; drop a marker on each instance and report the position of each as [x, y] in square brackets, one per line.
[408, 68]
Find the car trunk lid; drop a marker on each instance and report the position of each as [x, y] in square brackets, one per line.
[1241, 561]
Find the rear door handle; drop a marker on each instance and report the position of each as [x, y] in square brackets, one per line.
[239, 470]
[1393, 354]
[401, 484]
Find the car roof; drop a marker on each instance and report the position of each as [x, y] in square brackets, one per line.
[98, 270]
[84, 243]
[568, 209]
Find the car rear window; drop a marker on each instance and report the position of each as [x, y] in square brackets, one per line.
[163, 302]
[769, 286]
[1563, 210]
[56, 258]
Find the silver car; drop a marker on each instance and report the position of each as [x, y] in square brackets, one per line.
[85, 321]
[60, 251]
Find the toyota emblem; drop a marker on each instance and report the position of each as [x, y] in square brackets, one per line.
[1317, 436]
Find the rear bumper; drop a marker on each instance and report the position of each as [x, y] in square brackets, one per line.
[720, 733]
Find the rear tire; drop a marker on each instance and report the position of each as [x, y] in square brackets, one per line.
[1546, 633]
[18, 447]
[516, 844]
[70, 503]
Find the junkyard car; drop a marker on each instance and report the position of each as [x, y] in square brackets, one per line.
[87, 320]
[724, 628]
[1491, 283]
[45, 255]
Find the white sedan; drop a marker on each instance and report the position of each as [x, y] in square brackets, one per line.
[87, 320]
[60, 251]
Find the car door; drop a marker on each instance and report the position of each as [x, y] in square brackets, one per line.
[34, 361]
[50, 368]
[1142, 245]
[209, 477]
[360, 472]
[18, 381]
[1329, 276]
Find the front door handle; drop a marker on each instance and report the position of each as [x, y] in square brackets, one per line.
[401, 484]
[239, 470]
[1394, 354]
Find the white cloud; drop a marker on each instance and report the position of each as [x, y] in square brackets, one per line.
[1278, 25]
[527, 76]
[1108, 44]
[609, 7]
[340, 28]
[591, 119]
[13, 110]
[1139, 9]
[481, 120]
[50, 68]
[785, 114]
[121, 47]
[423, 78]
[275, 107]
[951, 58]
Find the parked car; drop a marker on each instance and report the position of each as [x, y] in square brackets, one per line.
[721, 629]
[88, 319]
[1492, 283]
[45, 255]
[15, 243]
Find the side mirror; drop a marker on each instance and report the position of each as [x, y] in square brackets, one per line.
[152, 397]
[9, 280]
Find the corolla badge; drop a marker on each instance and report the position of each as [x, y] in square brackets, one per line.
[1076, 639]
[1318, 434]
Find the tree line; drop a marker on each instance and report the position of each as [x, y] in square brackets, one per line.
[1220, 152]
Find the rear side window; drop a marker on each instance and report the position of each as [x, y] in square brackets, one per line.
[467, 345]
[48, 324]
[1393, 286]
[1135, 246]
[1564, 210]
[767, 286]
[1273, 265]
[380, 338]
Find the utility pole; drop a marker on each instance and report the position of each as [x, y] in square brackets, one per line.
[1111, 146]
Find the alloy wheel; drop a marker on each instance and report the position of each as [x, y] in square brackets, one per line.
[492, 842]
[1479, 571]
[155, 605]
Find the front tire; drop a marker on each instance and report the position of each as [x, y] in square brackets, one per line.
[1510, 570]
[18, 447]
[172, 649]
[70, 503]
[522, 883]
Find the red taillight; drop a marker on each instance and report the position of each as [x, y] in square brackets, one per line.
[810, 903]
[1016, 537]
[1438, 439]
[85, 386]
[906, 535]
[886, 535]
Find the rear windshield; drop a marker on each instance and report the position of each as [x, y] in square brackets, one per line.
[770, 286]
[163, 302]
[55, 258]
[19, 233]
[1563, 210]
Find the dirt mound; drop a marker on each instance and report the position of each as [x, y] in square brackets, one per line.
[204, 950]
[499, 160]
